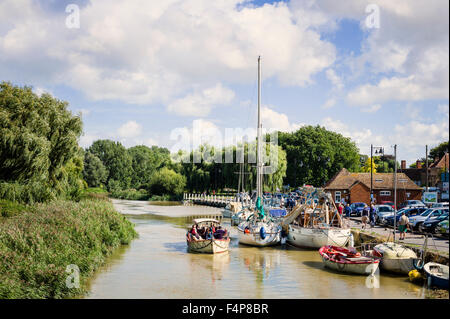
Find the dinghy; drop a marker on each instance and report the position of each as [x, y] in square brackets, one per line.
[395, 257]
[212, 242]
[348, 260]
[437, 275]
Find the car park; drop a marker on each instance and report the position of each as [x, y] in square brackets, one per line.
[442, 228]
[440, 205]
[416, 221]
[412, 203]
[430, 224]
[389, 203]
[410, 212]
[356, 208]
[383, 211]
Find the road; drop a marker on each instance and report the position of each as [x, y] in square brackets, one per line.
[434, 242]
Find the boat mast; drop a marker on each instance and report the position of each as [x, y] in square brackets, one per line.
[258, 141]
[395, 188]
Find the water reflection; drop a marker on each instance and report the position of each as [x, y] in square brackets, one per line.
[158, 265]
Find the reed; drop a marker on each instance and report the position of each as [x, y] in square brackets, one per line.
[38, 244]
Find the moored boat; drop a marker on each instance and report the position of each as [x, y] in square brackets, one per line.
[316, 222]
[214, 239]
[437, 275]
[395, 257]
[348, 260]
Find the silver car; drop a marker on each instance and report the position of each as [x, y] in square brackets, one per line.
[383, 211]
[431, 213]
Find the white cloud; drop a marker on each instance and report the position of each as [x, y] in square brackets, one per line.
[335, 79]
[201, 103]
[130, 129]
[329, 103]
[273, 120]
[371, 109]
[144, 52]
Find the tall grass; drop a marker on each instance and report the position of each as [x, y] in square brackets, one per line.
[37, 245]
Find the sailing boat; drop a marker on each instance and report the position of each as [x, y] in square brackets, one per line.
[315, 222]
[259, 229]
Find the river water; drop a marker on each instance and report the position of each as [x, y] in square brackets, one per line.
[157, 265]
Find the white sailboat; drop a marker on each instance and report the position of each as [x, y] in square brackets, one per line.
[259, 229]
[316, 222]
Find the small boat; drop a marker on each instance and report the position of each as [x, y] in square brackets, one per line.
[259, 232]
[348, 260]
[216, 243]
[395, 257]
[230, 209]
[437, 275]
[241, 216]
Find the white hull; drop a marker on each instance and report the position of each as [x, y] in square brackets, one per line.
[226, 213]
[400, 266]
[318, 237]
[360, 269]
[209, 246]
[254, 239]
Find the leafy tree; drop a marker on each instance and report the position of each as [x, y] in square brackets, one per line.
[438, 151]
[145, 161]
[314, 155]
[94, 172]
[38, 141]
[367, 166]
[116, 160]
[166, 182]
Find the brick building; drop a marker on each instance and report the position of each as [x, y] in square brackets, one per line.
[355, 187]
[419, 174]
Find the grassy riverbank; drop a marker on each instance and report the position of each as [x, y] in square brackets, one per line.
[37, 244]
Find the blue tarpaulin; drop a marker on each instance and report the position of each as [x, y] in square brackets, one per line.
[277, 212]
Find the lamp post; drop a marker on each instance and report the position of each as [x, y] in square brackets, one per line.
[378, 150]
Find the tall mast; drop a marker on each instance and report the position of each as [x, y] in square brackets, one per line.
[258, 145]
[395, 189]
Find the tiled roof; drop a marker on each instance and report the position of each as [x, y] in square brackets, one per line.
[442, 162]
[344, 180]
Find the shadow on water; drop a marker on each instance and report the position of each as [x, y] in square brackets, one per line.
[313, 264]
[176, 247]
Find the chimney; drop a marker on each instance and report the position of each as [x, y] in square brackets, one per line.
[403, 164]
[419, 164]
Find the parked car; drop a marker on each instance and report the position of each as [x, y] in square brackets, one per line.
[416, 221]
[429, 225]
[383, 211]
[440, 205]
[442, 228]
[385, 202]
[409, 212]
[356, 208]
[412, 203]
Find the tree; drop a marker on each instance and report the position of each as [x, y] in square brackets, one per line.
[38, 140]
[116, 160]
[438, 151]
[314, 155]
[94, 172]
[367, 166]
[145, 161]
[166, 182]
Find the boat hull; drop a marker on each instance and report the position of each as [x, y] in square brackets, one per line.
[253, 237]
[358, 269]
[395, 258]
[348, 261]
[214, 246]
[318, 237]
[226, 213]
[439, 279]
[399, 266]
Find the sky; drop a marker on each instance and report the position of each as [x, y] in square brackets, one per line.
[141, 72]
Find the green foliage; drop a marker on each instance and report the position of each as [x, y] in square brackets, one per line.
[438, 151]
[9, 208]
[130, 194]
[166, 181]
[117, 161]
[37, 246]
[314, 155]
[94, 172]
[38, 146]
[146, 161]
[369, 165]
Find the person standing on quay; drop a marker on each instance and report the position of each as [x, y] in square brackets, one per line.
[402, 226]
[365, 216]
[372, 215]
[340, 209]
[347, 210]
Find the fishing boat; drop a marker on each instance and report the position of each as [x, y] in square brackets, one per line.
[315, 222]
[395, 257]
[213, 242]
[437, 275]
[259, 229]
[348, 260]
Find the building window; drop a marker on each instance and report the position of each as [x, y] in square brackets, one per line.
[385, 193]
[337, 197]
[378, 180]
[402, 180]
[408, 194]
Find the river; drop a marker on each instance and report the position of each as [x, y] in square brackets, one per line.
[157, 265]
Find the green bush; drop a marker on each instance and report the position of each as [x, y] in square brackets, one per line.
[9, 209]
[130, 194]
[37, 245]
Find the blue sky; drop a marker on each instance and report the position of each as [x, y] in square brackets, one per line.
[140, 69]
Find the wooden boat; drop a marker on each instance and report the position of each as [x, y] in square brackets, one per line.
[316, 222]
[395, 257]
[212, 245]
[437, 275]
[348, 260]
